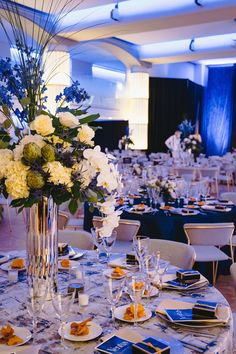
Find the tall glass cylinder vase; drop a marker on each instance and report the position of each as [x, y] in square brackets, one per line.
[42, 244]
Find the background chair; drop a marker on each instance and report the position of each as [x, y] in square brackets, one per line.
[179, 254]
[207, 239]
[62, 220]
[81, 239]
[231, 196]
[126, 231]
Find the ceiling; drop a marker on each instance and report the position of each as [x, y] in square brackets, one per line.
[154, 31]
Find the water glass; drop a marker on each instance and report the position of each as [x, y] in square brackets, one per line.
[108, 243]
[98, 243]
[163, 266]
[141, 249]
[113, 291]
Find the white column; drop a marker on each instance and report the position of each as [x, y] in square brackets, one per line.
[57, 75]
[137, 93]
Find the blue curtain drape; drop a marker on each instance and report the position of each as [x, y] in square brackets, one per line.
[218, 110]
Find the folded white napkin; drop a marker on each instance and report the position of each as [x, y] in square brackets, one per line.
[26, 349]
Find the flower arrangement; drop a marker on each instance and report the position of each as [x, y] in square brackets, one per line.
[165, 187]
[193, 143]
[186, 128]
[125, 141]
[45, 154]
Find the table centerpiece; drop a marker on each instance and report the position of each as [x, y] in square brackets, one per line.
[47, 158]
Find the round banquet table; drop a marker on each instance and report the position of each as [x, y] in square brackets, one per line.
[14, 311]
[162, 225]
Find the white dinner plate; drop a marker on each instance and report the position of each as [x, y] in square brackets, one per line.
[3, 258]
[146, 209]
[72, 264]
[153, 292]
[191, 206]
[108, 273]
[180, 212]
[222, 313]
[120, 311]
[212, 208]
[21, 332]
[95, 330]
[7, 267]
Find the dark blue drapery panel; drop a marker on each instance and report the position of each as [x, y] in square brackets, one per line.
[218, 111]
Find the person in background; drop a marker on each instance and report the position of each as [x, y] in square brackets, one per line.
[174, 144]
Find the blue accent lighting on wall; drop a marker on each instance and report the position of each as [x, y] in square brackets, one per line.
[217, 120]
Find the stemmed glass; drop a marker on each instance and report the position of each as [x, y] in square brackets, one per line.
[156, 194]
[150, 195]
[141, 248]
[108, 243]
[36, 296]
[151, 263]
[62, 301]
[97, 240]
[113, 291]
[136, 287]
[163, 266]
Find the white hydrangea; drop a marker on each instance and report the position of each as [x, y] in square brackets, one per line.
[37, 139]
[42, 125]
[86, 134]
[59, 174]
[6, 156]
[68, 120]
[16, 182]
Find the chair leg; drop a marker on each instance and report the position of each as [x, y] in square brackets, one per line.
[215, 268]
[232, 252]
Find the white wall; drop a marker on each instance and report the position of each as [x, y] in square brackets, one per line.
[103, 92]
[194, 72]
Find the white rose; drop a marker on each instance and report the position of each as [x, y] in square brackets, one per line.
[68, 119]
[43, 125]
[86, 134]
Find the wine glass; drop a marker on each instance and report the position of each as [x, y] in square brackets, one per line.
[35, 300]
[156, 194]
[98, 243]
[135, 288]
[108, 243]
[163, 265]
[141, 248]
[62, 301]
[151, 263]
[149, 192]
[113, 291]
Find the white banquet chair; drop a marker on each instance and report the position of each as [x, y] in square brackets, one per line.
[180, 254]
[212, 173]
[126, 231]
[207, 239]
[230, 196]
[80, 238]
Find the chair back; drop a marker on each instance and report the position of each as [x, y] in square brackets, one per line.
[76, 238]
[126, 230]
[62, 220]
[180, 254]
[217, 234]
[211, 172]
[186, 171]
[231, 196]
